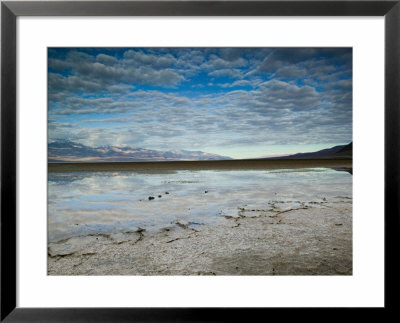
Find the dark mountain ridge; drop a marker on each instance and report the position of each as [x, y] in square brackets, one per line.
[336, 152]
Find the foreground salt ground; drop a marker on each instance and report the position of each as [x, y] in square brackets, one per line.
[282, 238]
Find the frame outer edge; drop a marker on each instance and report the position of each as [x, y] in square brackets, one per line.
[8, 161]
[392, 149]
[8, 154]
[203, 8]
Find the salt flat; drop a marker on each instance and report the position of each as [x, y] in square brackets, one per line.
[290, 221]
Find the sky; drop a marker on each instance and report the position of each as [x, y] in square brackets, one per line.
[237, 102]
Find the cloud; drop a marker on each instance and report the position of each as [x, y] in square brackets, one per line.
[291, 71]
[216, 62]
[138, 58]
[134, 67]
[252, 83]
[288, 56]
[258, 116]
[232, 73]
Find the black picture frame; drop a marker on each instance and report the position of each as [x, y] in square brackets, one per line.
[10, 10]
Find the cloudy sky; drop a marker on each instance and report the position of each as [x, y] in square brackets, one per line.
[237, 102]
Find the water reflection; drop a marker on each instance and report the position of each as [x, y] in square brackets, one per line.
[85, 203]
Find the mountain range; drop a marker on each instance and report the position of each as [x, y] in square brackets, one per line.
[68, 151]
[336, 152]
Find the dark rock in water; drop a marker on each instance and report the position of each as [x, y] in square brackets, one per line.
[182, 225]
[151, 198]
[159, 196]
[205, 192]
[166, 192]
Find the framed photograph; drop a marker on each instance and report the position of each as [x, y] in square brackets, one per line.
[162, 158]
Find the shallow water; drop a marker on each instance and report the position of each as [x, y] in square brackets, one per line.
[81, 204]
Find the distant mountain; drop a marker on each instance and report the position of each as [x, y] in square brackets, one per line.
[346, 151]
[68, 151]
[336, 152]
